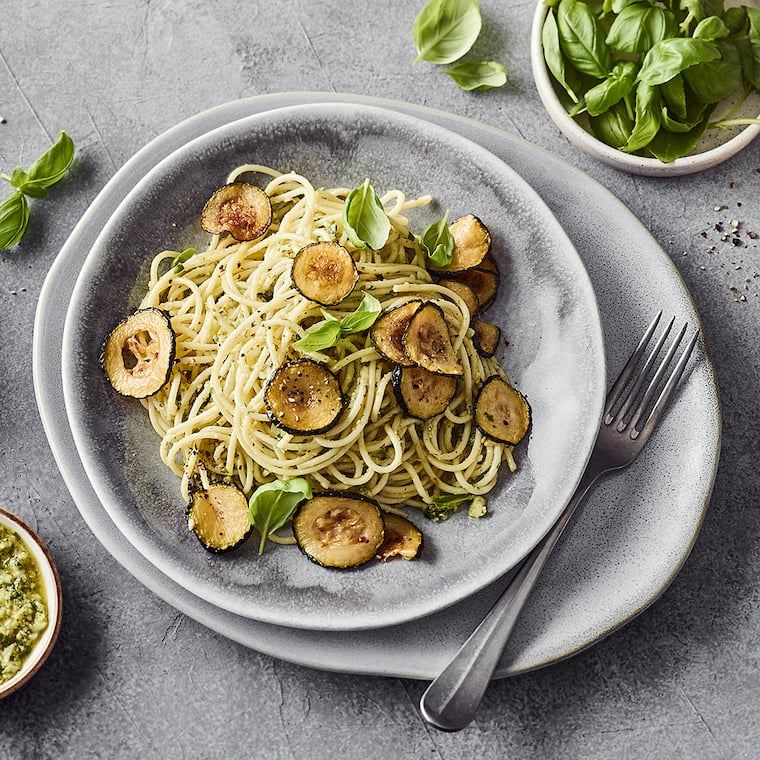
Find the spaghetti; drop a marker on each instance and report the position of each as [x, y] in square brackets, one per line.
[236, 316]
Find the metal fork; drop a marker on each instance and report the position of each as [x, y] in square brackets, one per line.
[630, 415]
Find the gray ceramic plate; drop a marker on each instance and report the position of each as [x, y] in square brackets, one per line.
[625, 546]
[547, 308]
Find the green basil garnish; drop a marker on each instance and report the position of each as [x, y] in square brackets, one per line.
[367, 225]
[445, 30]
[438, 243]
[179, 260]
[271, 505]
[326, 334]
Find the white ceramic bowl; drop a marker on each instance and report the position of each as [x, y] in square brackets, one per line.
[53, 597]
[716, 146]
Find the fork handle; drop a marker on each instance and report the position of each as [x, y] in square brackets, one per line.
[452, 699]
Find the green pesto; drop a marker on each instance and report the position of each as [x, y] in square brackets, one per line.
[23, 613]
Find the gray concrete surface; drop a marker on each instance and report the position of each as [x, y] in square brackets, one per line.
[131, 677]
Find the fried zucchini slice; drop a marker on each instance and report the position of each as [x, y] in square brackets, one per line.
[388, 331]
[218, 516]
[472, 243]
[339, 529]
[486, 337]
[242, 209]
[303, 397]
[324, 272]
[465, 292]
[402, 538]
[427, 342]
[420, 393]
[484, 281]
[138, 354]
[502, 413]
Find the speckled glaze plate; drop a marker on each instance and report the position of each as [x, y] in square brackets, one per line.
[547, 307]
[625, 546]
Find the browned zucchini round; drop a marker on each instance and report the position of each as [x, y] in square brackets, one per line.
[465, 292]
[303, 397]
[472, 243]
[324, 272]
[501, 412]
[339, 529]
[427, 342]
[402, 538]
[138, 353]
[388, 331]
[420, 393]
[484, 281]
[486, 338]
[218, 515]
[242, 209]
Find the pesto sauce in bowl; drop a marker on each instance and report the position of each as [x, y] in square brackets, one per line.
[23, 611]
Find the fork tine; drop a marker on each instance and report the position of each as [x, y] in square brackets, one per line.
[623, 378]
[662, 401]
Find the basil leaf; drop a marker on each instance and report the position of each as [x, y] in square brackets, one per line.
[363, 318]
[271, 505]
[648, 119]
[477, 76]
[752, 59]
[181, 258]
[711, 28]
[614, 126]
[14, 216]
[326, 334]
[364, 218]
[674, 94]
[640, 26]
[716, 80]
[52, 164]
[555, 61]
[613, 89]
[321, 336]
[674, 56]
[735, 19]
[668, 146]
[445, 30]
[582, 39]
[438, 242]
[701, 9]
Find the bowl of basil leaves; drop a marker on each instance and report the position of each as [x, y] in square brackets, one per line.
[652, 87]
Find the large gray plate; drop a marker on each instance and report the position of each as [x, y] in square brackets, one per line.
[624, 547]
[547, 307]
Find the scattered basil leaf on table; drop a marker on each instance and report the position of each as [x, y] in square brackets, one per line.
[327, 333]
[367, 225]
[48, 169]
[478, 75]
[647, 75]
[437, 242]
[271, 505]
[14, 216]
[445, 30]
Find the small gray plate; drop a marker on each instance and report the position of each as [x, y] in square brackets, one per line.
[546, 307]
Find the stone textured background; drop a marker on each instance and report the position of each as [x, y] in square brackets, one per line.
[131, 677]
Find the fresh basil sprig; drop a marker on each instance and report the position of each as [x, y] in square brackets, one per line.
[326, 334]
[364, 218]
[648, 75]
[446, 30]
[48, 169]
[271, 505]
[438, 242]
